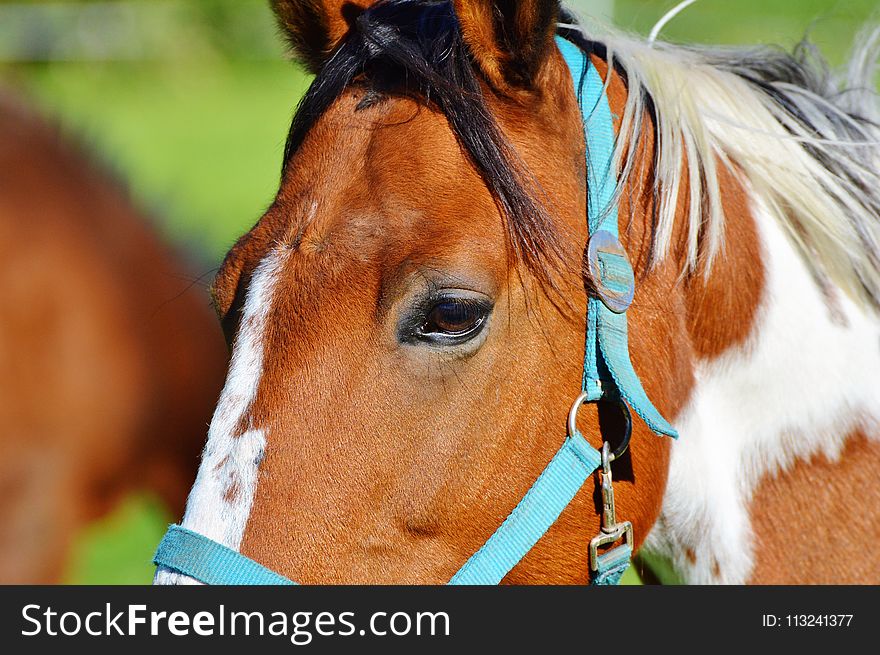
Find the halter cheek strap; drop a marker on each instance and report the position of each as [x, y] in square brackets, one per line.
[608, 376]
[198, 557]
[607, 367]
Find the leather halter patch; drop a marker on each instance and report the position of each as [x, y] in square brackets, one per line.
[610, 272]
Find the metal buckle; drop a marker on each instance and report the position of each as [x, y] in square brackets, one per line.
[603, 242]
[611, 531]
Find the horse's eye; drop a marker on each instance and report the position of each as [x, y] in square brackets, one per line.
[453, 320]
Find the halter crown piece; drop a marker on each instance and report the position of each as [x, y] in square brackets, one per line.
[608, 377]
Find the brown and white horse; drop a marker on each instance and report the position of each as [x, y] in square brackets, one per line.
[407, 317]
[110, 358]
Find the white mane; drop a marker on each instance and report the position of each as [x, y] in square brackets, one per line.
[805, 141]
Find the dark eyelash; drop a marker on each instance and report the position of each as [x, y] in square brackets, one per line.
[465, 303]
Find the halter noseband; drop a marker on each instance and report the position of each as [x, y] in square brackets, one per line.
[608, 377]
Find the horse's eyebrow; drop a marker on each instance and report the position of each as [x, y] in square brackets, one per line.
[429, 277]
[369, 99]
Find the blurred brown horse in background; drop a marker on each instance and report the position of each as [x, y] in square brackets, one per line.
[110, 356]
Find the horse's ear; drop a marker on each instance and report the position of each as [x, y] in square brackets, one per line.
[315, 27]
[509, 39]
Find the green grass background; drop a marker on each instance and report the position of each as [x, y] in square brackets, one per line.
[200, 137]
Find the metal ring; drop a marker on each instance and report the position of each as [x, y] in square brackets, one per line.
[627, 421]
[573, 412]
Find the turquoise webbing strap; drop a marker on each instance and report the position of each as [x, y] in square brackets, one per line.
[551, 493]
[192, 554]
[608, 370]
[203, 559]
[612, 565]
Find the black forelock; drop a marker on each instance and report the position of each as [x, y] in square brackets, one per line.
[415, 48]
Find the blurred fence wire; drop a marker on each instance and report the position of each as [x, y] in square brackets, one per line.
[131, 30]
[194, 30]
[144, 30]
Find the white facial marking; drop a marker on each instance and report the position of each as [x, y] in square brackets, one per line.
[803, 382]
[220, 501]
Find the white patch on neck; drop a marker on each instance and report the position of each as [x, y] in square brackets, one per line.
[220, 501]
[801, 385]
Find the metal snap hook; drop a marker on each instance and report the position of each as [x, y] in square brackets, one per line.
[611, 530]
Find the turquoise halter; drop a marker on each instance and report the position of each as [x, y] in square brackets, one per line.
[608, 377]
